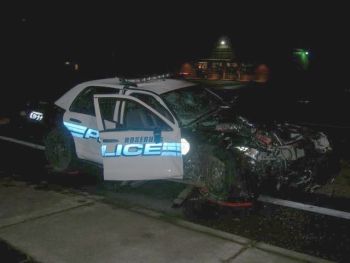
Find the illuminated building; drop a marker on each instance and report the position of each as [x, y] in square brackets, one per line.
[221, 65]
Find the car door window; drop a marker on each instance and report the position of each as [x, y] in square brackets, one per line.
[137, 117]
[84, 104]
[151, 101]
[107, 108]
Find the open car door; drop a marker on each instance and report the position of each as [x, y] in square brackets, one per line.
[143, 146]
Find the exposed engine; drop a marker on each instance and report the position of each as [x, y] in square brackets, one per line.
[283, 154]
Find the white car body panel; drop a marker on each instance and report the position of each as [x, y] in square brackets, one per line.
[87, 145]
[85, 148]
[87, 137]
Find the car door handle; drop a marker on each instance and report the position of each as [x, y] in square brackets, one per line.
[110, 140]
[75, 120]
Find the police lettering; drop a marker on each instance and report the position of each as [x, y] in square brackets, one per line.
[139, 149]
[90, 133]
[132, 149]
[139, 139]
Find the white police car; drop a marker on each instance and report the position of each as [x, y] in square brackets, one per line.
[161, 128]
[132, 128]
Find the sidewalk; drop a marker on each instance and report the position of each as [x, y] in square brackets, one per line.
[65, 227]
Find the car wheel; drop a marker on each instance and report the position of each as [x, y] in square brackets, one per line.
[216, 176]
[228, 177]
[59, 150]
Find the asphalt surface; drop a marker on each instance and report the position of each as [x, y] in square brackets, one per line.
[314, 234]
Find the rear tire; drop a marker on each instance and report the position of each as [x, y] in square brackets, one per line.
[60, 150]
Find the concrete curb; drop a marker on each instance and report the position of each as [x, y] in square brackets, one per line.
[193, 226]
[234, 238]
[289, 253]
[213, 232]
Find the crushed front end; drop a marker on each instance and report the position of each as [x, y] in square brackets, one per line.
[238, 158]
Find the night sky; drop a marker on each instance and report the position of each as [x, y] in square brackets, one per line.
[135, 39]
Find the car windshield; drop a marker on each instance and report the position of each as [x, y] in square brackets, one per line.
[190, 104]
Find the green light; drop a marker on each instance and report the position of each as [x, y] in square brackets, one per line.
[301, 56]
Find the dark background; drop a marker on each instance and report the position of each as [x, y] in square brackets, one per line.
[146, 38]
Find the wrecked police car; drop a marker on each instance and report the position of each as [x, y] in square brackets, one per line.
[161, 128]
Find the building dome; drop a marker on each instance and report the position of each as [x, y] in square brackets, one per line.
[223, 50]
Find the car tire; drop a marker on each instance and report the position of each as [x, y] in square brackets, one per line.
[217, 174]
[222, 173]
[60, 150]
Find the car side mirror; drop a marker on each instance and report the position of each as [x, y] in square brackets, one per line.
[157, 134]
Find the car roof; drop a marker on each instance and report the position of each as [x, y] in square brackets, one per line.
[158, 86]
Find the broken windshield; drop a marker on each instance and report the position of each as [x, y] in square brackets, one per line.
[189, 104]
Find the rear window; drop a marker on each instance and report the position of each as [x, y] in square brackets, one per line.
[84, 102]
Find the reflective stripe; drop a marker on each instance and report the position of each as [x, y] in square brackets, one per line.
[81, 131]
[75, 128]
